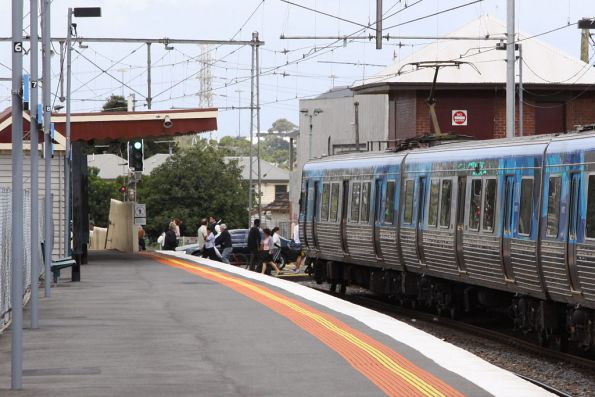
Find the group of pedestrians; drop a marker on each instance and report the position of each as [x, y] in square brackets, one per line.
[212, 235]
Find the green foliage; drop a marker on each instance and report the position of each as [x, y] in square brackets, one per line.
[115, 103]
[192, 184]
[234, 146]
[282, 125]
[100, 193]
[275, 150]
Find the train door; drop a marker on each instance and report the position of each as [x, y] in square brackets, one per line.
[377, 217]
[344, 208]
[421, 205]
[572, 232]
[314, 212]
[304, 208]
[460, 219]
[507, 225]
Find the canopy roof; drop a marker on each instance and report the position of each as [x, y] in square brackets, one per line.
[120, 125]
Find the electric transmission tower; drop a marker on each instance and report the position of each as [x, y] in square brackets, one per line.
[205, 97]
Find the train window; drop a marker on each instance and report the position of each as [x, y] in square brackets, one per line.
[324, 202]
[445, 198]
[489, 205]
[365, 213]
[433, 205]
[591, 208]
[553, 206]
[389, 202]
[355, 201]
[526, 206]
[334, 201]
[475, 204]
[408, 213]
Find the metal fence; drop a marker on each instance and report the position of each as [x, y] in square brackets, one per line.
[6, 222]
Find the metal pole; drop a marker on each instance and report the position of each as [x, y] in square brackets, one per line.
[310, 139]
[253, 45]
[356, 124]
[149, 99]
[67, 155]
[17, 197]
[521, 100]
[258, 124]
[290, 154]
[46, 100]
[239, 111]
[510, 78]
[378, 24]
[34, 152]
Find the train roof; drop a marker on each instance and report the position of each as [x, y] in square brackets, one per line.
[518, 146]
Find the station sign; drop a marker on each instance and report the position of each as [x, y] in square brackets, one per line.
[140, 214]
[459, 117]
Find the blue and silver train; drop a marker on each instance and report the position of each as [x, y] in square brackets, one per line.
[507, 223]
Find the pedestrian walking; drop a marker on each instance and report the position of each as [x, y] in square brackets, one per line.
[224, 241]
[202, 234]
[254, 244]
[276, 243]
[170, 242]
[210, 251]
[266, 248]
[297, 245]
[141, 238]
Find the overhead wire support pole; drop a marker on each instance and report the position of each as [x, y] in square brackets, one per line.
[47, 141]
[510, 76]
[390, 37]
[257, 72]
[34, 153]
[252, 73]
[149, 99]
[521, 94]
[378, 24]
[68, 152]
[16, 245]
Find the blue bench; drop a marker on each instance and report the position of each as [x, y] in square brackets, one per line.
[58, 264]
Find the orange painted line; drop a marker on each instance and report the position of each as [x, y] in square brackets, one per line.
[387, 369]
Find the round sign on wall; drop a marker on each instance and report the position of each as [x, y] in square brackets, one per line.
[459, 117]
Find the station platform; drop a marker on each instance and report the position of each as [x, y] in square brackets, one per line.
[170, 324]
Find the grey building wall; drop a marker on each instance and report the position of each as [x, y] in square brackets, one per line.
[337, 122]
[57, 189]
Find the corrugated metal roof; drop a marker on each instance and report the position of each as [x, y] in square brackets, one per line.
[336, 92]
[153, 162]
[268, 171]
[543, 64]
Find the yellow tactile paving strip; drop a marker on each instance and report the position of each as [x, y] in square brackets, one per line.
[387, 369]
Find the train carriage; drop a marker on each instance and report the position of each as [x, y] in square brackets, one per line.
[510, 215]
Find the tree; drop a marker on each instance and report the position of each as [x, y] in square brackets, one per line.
[275, 150]
[192, 184]
[235, 146]
[100, 193]
[115, 103]
[282, 125]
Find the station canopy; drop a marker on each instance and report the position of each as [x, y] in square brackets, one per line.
[108, 126]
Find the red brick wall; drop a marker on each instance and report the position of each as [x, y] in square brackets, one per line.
[490, 107]
[580, 111]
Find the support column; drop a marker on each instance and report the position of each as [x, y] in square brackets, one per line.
[510, 77]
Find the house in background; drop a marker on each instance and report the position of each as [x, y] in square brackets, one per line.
[274, 180]
[110, 166]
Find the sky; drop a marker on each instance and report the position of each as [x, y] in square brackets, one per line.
[290, 69]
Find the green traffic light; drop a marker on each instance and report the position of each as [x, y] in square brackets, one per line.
[137, 145]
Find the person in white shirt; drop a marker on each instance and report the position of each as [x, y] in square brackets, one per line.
[202, 234]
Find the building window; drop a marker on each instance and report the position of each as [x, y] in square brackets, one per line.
[280, 190]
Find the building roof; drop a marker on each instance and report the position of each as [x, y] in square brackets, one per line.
[110, 166]
[336, 92]
[268, 171]
[149, 164]
[542, 63]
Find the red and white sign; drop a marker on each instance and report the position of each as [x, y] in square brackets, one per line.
[459, 117]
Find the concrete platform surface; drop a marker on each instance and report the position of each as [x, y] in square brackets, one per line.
[135, 326]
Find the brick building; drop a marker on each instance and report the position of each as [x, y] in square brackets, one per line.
[558, 90]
